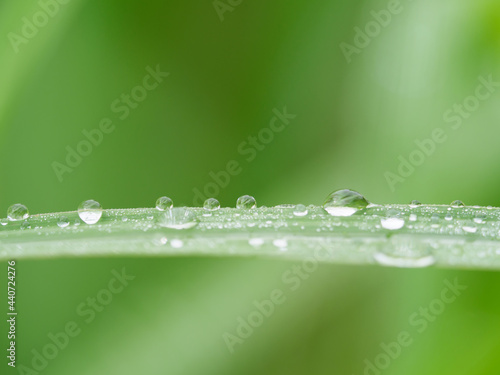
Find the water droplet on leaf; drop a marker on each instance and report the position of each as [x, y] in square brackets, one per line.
[177, 243]
[211, 204]
[470, 227]
[393, 221]
[457, 204]
[300, 210]
[90, 211]
[405, 252]
[17, 212]
[246, 202]
[63, 222]
[164, 203]
[281, 243]
[480, 219]
[344, 202]
[178, 218]
[26, 225]
[256, 242]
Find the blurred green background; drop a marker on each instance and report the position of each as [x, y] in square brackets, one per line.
[228, 71]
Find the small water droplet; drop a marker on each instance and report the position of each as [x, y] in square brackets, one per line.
[344, 202]
[448, 217]
[281, 243]
[246, 202]
[405, 252]
[178, 218]
[17, 212]
[176, 243]
[26, 225]
[413, 217]
[211, 204]
[90, 211]
[415, 203]
[393, 220]
[164, 203]
[300, 210]
[63, 222]
[470, 228]
[285, 205]
[457, 203]
[256, 242]
[392, 223]
[479, 219]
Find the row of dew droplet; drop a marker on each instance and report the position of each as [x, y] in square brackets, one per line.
[401, 251]
[90, 211]
[183, 218]
[211, 204]
[341, 203]
[348, 202]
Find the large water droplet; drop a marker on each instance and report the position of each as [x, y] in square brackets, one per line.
[211, 204]
[164, 203]
[178, 218]
[17, 212]
[246, 202]
[405, 252]
[393, 220]
[344, 202]
[90, 211]
[300, 210]
[457, 204]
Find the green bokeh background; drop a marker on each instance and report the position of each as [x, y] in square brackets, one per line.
[353, 122]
